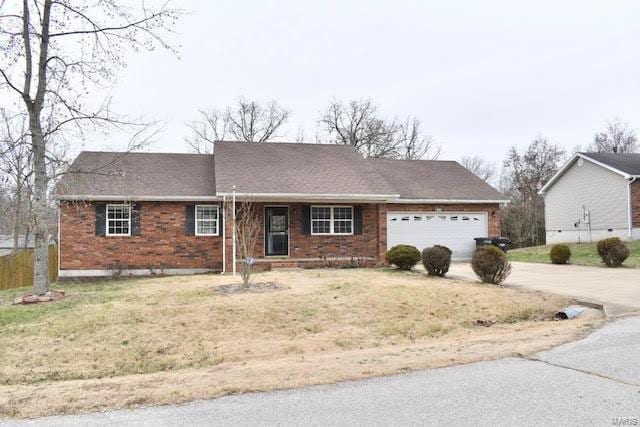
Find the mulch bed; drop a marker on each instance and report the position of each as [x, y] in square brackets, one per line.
[35, 299]
[255, 288]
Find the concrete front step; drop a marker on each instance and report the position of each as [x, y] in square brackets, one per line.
[266, 264]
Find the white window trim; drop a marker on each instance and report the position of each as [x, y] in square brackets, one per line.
[331, 220]
[217, 220]
[106, 219]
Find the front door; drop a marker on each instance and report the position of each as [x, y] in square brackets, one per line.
[276, 230]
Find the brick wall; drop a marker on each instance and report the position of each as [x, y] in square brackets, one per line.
[314, 246]
[162, 242]
[635, 203]
[309, 246]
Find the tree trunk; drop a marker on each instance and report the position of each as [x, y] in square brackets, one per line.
[41, 240]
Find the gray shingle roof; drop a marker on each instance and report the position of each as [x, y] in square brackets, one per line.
[434, 179]
[627, 163]
[290, 168]
[110, 175]
[267, 169]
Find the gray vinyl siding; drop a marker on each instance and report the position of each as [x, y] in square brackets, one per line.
[603, 192]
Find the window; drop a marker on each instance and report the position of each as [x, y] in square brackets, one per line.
[331, 220]
[206, 220]
[118, 220]
[342, 220]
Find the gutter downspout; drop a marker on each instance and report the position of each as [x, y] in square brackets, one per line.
[59, 243]
[234, 229]
[224, 235]
[631, 181]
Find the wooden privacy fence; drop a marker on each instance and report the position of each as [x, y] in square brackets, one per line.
[16, 270]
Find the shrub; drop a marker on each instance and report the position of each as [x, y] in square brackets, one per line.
[613, 251]
[436, 260]
[491, 264]
[560, 254]
[403, 256]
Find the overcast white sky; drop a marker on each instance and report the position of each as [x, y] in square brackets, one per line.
[482, 76]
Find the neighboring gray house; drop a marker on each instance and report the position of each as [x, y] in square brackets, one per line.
[593, 196]
[6, 243]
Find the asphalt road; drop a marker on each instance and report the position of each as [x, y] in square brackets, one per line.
[595, 381]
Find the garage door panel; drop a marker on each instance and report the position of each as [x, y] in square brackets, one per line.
[456, 230]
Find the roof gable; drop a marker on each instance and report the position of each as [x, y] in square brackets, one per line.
[625, 165]
[296, 169]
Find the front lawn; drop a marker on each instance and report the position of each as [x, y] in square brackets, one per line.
[581, 254]
[166, 340]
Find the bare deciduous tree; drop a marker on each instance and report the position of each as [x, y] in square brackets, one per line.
[524, 174]
[617, 138]
[413, 145]
[209, 127]
[15, 167]
[357, 123]
[52, 52]
[248, 121]
[248, 231]
[480, 167]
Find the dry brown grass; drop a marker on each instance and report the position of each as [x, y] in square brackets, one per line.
[166, 340]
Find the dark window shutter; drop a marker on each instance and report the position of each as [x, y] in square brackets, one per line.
[220, 219]
[306, 219]
[357, 220]
[136, 213]
[101, 219]
[190, 220]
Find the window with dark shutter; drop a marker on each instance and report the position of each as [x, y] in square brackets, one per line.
[331, 220]
[118, 219]
[101, 219]
[207, 220]
[357, 220]
[190, 220]
[136, 214]
[306, 219]
[221, 219]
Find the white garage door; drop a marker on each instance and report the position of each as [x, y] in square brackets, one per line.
[456, 230]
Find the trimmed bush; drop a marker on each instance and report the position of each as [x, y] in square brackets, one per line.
[491, 264]
[403, 256]
[560, 254]
[436, 260]
[613, 251]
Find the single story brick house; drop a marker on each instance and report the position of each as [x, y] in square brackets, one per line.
[142, 213]
[594, 196]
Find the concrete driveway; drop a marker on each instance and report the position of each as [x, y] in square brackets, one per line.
[617, 289]
[594, 381]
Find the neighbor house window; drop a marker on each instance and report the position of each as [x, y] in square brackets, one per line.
[206, 220]
[331, 220]
[118, 220]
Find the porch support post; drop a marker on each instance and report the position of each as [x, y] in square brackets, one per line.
[224, 234]
[233, 207]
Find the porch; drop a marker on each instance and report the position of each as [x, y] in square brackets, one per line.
[308, 235]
